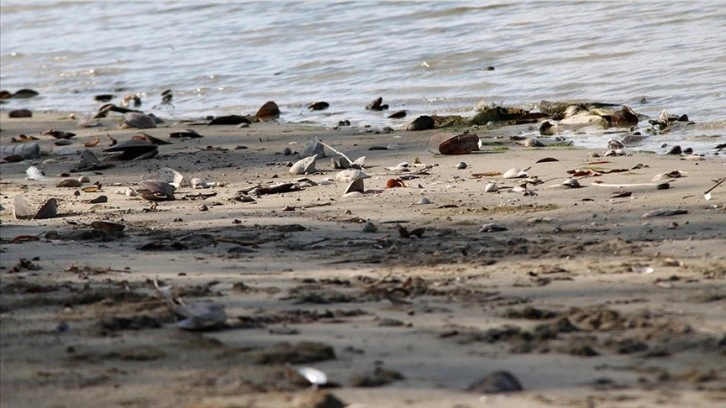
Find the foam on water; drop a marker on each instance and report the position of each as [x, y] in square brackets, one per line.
[425, 57]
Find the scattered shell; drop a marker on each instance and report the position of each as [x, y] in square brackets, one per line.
[400, 167]
[156, 190]
[138, 120]
[21, 209]
[304, 166]
[34, 173]
[185, 134]
[571, 183]
[531, 143]
[171, 176]
[314, 376]
[355, 186]
[423, 201]
[348, 175]
[461, 165]
[448, 144]
[491, 187]
[201, 316]
[48, 210]
[134, 149]
[614, 144]
[128, 191]
[515, 173]
[69, 183]
[663, 212]
[369, 227]
[642, 269]
[267, 112]
[84, 179]
[198, 182]
[496, 382]
[492, 227]
[662, 186]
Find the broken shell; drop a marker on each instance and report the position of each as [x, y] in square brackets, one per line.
[369, 227]
[461, 165]
[84, 179]
[643, 269]
[515, 173]
[156, 190]
[491, 187]
[400, 167]
[303, 166]
[355, 186]
[69, 183]
[423, 201]
[492, 227]
[48, 210]
[201, 316]
[171, 176]
[571, 183]
[132, 149]
[314, 376]
[614, 144]
[349, 175]
[21, 209]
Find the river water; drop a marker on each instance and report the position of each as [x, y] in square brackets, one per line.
[427, 57]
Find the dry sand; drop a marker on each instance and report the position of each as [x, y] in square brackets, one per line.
[584, 301]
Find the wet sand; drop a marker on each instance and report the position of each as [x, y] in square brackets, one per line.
[582, 299]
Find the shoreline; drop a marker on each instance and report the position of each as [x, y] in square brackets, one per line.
[580, 298]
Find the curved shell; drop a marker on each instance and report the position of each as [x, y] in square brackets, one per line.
[303, 166]
[348, 175]
[138, 120]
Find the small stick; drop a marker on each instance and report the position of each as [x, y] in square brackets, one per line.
[336, 151]
[718, 183]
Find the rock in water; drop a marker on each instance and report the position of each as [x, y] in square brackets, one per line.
[423, 122]
[495, 383]
[267, 112]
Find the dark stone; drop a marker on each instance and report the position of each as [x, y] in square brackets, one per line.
[421, 123]
[495, 383]
[20, 113]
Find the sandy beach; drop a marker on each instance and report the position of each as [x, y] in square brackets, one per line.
[585, 301]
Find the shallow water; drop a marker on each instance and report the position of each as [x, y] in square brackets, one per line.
[425, 57]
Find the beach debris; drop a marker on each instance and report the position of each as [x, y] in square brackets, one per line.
[405, 233]
[89, 162]
[461, 165]
[103, 97]
[423, 122]
[491, 187]
[707, 193]
[23, 139]
[663, 186]
[423, 201]
[317, 399]
[355, 186]
[20, 113]
[400, 167]
[675, 150]
[132, 99]
[492, 227]
[185, 134]
[138, 120]
[369, 226]
[62, 142]
[200, 316]
[377, 105]
[267, 112]
[397, 115]
[621, 194]
[23, 94]
[614, 153]
[571, 183]
[306, 376]
[304, 166]
[348, 175]
[515, 172]
[664, 212]
[318, 106]
[312, 148]
[134, 150]
[453, 144]
[156, 190]
[199, 183]
[34, 173]
[529, 142]
[378, 377]
[73, 183]
[22, 151]
[21, 209]
[669, 175]
[58, 134]
[150, 139]
[49, 209]
[642, 269]
[172, 177]
[356, 164]
[166, 97]
[229, 120]
[614, 144]
[496, 382]
[93, 143]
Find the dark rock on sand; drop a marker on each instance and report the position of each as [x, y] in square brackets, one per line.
[229, 120]
[20, 113]
[421, 123]
[267, 112]
[496, 382]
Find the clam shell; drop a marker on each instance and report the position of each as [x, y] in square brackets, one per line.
[461, 165]
[268, 111]
[138, 120]
[69, 183]
[171, 176]
[491, 187]
[423, 201]
[313, 375]
[201, 316]
[571, 183]
[48, 210]
[303, 166]
[515, 173]
[156, 190]
[355, 186]
[492, 227]
[132, 149]
[21, 209]
[348, 175]
[107, 226]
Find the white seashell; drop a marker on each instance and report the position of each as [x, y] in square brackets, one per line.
[325, 182]
[314, 376]
[461, 165]
[643, 269]
[515, 173]
[423, 201]
[369, 227]
[491, 187]
[303, 166]
[355, 186]
[21, 209]
[348, 175]
[171, 176]
[84, 179]
[198, 182]
[400, 167]
[67, 151]
[34, 173]
[201, 316]
[359, 162]
[571, 183]
[492, 227]
[707, 196]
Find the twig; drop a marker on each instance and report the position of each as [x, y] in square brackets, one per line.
[336, 151]
[718, 183]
